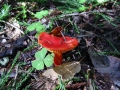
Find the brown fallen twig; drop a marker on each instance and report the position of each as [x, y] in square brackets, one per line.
[76, 86]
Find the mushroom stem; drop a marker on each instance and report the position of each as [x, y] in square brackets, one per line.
[57, 58]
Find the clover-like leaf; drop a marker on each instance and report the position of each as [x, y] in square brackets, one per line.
[31, 27]
[38, 64]
[41, 14]
[41, 59]
[41, 54]
[49, 59]
[40, 28]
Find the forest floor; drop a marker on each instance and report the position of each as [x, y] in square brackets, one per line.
[93, 63]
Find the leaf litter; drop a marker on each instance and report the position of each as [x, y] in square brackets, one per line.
[95, 29]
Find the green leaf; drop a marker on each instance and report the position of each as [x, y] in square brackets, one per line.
[82, 1]
[49, 59]
[40, 28]
[41, 59]
[38, 64]
[101, 1]
[32, 26]
[4, 12]
[37, 34]
[41, 54]
[82, 8]
[41, 14]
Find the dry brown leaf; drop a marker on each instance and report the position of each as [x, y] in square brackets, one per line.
[13, 29]
[113, 70]
[99, 61]
[50, 73]
[68, 70]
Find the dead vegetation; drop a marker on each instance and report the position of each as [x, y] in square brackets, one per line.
[90, 63]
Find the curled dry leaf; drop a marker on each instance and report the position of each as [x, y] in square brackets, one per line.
[106, 65]
[68, 70]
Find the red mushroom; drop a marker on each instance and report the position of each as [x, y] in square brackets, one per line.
[57, 45]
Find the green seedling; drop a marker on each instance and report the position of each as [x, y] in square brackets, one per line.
[36, 26]
[42, 58]
[61, 85]
[107, 18]
[24, 11]
[41, 14]
[39, 27]
[4, 11]
[82, 8]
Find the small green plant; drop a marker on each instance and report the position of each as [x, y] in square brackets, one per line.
[4, 78]
[24, 11]
[90, 1]
[41, 14]
[82, 8]
[70, 6]
[42, 58]
[4, 11]
[24, 76]
[12, 84]
[38, 26]
[107, 18]
[62, 84]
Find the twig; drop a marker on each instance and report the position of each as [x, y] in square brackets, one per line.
[13, 26]
[92, 25]
[15, 75]
[92, 34]
[114, 3]
[90, 12]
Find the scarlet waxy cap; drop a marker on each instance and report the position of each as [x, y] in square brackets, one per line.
[57, 45]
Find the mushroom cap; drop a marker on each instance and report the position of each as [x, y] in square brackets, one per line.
[57, 44]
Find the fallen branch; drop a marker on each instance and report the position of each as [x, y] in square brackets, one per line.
[90, 12]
